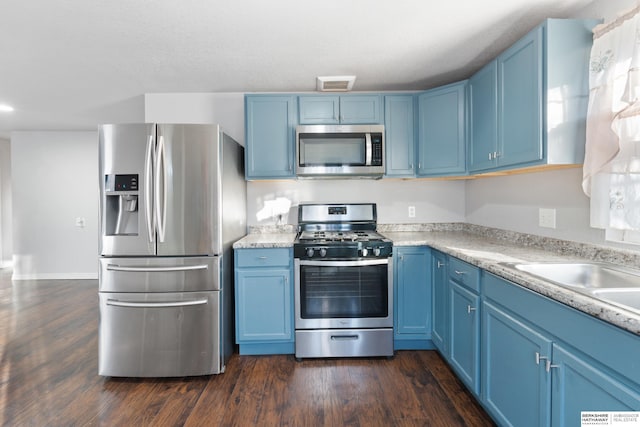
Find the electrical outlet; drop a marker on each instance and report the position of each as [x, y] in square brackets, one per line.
[412, 211]
[547, 218]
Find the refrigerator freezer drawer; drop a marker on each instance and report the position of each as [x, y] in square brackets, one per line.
[159, 335]
[159, 274]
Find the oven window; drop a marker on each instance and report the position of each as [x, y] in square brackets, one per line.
[343, 292]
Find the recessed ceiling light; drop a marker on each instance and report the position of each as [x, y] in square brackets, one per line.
[6, 108]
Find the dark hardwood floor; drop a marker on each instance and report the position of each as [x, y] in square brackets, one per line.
[49, 362]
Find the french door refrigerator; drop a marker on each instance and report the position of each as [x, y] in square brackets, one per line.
[172, 202]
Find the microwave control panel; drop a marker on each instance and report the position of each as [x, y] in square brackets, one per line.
[376, 148]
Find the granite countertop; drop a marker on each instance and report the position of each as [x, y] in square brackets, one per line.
[489, 254]
[489, 248]
[266, 240]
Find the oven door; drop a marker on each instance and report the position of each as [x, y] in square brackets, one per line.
[332, 294]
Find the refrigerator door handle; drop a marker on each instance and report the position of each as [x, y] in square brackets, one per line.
[164, 304]
[114, 267]
[161, 181]
[148, 190]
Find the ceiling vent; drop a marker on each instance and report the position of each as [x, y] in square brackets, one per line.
[335, 83]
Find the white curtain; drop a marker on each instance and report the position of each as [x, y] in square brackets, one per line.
[611, 173]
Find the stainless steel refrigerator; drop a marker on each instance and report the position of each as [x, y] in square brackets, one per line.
[172, 202]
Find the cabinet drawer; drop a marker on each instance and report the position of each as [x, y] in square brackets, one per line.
[263, 257]
[465, 274]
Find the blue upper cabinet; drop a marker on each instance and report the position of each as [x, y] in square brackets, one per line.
[270, 136]
[441, 131]
[399, 135]
[343, 109]
[483, 118]
[520, 106]
[538, 91]
[319, 109]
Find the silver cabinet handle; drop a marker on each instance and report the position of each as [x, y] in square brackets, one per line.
[113, 267]
[549, 366]
[459, 273]
[470, 309]
[539, 358]
[440, 264]
[164, 304]
[490, 156]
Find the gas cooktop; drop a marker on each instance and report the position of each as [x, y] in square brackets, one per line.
[339, 231]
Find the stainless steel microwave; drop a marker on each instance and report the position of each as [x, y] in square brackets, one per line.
[340, 151]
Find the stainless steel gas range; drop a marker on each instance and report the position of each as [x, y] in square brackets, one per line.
[343, 283]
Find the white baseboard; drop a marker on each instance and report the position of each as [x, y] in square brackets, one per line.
[55, 276]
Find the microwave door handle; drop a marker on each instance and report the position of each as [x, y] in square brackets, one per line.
[368, 150]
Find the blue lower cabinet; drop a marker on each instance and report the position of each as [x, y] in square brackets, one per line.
[264, 301]
[579, 385]
[440, 302]
[464, 346]
[516, 388]
[412, 298]
[544, 363]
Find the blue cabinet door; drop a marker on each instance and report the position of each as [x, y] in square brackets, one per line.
[441, 131]
[270, 136]
[520, 105]
[579, 385]
[319, 109]
[464, 335]
[483, 120]
[516, 387]
[360, 109]
[399, 135]
[264, 305]
[345, 109]
[439, 306]
[412, 295]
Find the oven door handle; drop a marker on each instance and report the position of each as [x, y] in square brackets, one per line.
[353, 263]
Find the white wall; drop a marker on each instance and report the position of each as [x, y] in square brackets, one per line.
[55, 181]
[513, 203]
[6, 246]
[225, 109]
[435, 201]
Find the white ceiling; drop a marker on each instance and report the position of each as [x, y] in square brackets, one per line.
[62, 62]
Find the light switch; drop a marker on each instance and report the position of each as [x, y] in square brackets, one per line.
[547, 218]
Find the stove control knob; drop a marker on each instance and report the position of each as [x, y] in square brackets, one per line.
[376, 251]
[310, 252]
[323, 252]
[365, 252]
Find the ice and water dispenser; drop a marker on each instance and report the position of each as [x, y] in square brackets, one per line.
[121, 205]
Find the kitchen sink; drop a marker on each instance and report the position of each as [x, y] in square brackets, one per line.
[584, 275]
[616, 285]
[629, 298]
